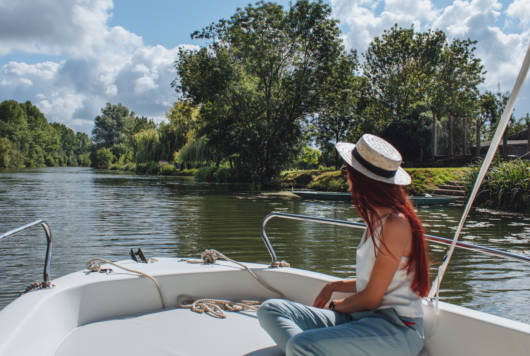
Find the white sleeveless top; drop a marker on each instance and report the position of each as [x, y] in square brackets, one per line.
[399, 294]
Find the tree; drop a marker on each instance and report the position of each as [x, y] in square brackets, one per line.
[488, 114]
[262, 74]
[112, 125]
[408, 70]
[343, 102]
[401, 67]
[182, 127]
[459, 76]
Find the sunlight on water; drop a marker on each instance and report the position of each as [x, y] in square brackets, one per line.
[93, 214]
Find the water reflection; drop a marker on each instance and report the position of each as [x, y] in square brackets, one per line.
[93, 214]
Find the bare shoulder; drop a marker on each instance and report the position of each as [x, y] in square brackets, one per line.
[397, 234]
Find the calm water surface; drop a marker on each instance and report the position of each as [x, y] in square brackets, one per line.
[93, 213]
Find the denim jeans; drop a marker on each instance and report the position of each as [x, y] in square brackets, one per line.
[299, 329]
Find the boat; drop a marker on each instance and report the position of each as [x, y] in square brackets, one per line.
[344, 196]
[135, 307]
[142, 306]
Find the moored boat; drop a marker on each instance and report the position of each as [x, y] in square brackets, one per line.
[344, 196]
[121, 312]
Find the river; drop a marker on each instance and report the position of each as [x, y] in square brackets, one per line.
[97, 214]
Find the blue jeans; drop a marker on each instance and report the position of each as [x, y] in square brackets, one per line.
[299, 329]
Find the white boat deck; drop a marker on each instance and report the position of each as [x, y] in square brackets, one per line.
[171, 332]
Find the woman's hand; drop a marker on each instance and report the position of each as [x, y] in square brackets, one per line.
[323, 297]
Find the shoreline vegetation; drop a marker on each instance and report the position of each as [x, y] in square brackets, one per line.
[272, 89]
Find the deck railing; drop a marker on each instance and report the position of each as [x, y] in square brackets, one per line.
[48, 233]
[336, 222]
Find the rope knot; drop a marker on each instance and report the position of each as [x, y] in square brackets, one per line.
[209, 256]
[280, 264]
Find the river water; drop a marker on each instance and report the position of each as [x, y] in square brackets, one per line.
[98, 214]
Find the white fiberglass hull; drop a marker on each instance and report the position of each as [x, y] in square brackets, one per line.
[121, 314]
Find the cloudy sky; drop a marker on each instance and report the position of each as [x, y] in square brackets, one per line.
[70, 57]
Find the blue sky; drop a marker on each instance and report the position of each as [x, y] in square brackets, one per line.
[70, 57]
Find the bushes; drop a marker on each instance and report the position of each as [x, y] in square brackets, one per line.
[167, 169]
[506, 186]
[219, 175]
[102, 158]
[329, 181]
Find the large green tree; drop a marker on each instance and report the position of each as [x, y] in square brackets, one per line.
[410, 70]
[262, 74]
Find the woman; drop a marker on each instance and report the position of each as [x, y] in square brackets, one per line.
[383, 315]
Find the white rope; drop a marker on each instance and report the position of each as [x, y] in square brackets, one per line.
[216, 307]
[94, 265]
[210, 256]
[435, 289]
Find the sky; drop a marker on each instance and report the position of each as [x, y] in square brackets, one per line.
[71, 57]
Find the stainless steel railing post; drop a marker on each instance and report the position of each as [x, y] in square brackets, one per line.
[48, 232]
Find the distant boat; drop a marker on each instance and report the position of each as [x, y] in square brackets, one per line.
[344, 196]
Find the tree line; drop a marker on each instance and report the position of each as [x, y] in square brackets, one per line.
[275, 88]
[27, 139]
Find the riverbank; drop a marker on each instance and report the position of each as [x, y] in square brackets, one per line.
[424, 180]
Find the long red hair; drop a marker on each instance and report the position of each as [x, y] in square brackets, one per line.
[368, 194]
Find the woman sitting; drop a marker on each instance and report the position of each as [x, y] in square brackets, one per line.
[383, 315]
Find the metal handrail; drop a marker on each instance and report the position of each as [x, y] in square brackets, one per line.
[432, 238]
[48, 232]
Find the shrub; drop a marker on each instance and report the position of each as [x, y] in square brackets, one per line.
[167, 169]
[205, 174]
[506, 186]
[102, 158]
[329, 181]
[147, 168]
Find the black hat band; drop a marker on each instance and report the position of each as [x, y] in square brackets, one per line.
[376, 170]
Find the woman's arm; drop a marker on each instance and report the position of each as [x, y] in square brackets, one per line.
[396, 242]
[322, 299]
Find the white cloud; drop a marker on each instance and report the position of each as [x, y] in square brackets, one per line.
[520, 10]
[501, 51]
[102, 63]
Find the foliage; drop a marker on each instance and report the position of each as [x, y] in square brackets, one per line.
[410, 135]
[506, 186]
[146, 144]
[167, 169]
[407, 70]
[329, 181]
[262, 74]
[424, 180]
[344, 100]
[308, 158]
[102, 158]
[28, 140]
[147, 168]
[181, 129]
[115, 129]
[195, 152]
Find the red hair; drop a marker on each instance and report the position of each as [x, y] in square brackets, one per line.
[368, 194]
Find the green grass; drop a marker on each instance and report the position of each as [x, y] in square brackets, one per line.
[424, 180]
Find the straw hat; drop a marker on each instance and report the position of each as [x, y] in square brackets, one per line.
[375, 158]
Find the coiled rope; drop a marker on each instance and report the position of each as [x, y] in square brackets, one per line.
[94, 265]
[216, 307]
